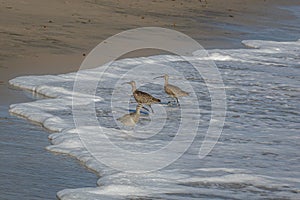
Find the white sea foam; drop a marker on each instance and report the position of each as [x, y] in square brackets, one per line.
[257, 154]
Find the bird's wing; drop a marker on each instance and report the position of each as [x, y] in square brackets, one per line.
[146, 96]
[176, 90]
[127, 120]
[141, 93]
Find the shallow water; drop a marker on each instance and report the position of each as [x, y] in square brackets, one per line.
[27, 169]
[257, 155]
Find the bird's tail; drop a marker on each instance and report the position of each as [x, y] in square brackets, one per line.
[156, 100]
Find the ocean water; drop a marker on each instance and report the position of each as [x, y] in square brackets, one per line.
[28, 171]
[256, 157]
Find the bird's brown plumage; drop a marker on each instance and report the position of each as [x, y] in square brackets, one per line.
[172, 90]
[143, 97]
[132, 118]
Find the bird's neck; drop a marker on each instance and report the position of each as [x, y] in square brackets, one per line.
[166, 81]
[133, 88]
[138, 110]
[136, 115]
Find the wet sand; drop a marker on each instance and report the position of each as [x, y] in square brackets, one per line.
[38, 37]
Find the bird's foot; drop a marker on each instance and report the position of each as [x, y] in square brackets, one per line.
[172, 103]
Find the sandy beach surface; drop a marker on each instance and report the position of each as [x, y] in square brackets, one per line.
[42, 37]
[38, 37]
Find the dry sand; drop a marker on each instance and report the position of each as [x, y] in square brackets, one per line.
[50, 37]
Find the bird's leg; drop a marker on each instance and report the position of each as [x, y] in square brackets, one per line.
[178, 104]
[172, 102]
[146, 108]
[151, 108]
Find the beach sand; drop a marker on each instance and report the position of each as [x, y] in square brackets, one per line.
[38, 37]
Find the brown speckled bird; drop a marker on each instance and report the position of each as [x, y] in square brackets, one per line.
[142, 97]
[172, 90]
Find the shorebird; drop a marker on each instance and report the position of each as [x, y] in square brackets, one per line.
[142, 97]
[132, 118]
[172, 90]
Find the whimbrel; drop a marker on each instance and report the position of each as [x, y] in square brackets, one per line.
[172, 90]
[142, 97]
[132, 118]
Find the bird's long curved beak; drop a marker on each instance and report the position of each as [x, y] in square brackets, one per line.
[159, 77]
[127, 83]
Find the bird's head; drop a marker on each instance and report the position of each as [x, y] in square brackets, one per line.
[133, 85]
